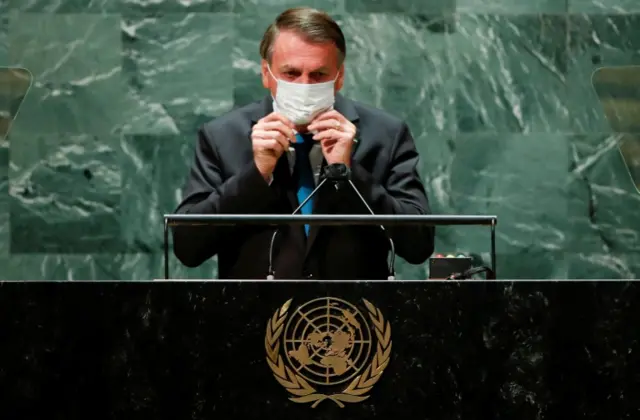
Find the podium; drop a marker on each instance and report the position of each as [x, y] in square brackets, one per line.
[327, 220]
[236, 350]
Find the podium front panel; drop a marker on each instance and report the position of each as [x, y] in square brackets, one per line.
[312, 350]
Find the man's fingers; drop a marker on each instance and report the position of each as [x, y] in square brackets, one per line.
[274, 116]
[269, 145]
[328, 142]
[272, 135]
[277, 126]
[264, 138]
[332, 114]
[332, 123]
[330, 134]
[325, 124]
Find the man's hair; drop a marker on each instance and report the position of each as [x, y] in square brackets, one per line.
[313, 25]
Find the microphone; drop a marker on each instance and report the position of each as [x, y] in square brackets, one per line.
[336, 173]
[466, 275]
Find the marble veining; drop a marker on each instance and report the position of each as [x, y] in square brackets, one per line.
[498, 95]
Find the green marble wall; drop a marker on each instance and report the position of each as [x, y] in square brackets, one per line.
[497, 93]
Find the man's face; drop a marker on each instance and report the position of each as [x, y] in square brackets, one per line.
[296, 60]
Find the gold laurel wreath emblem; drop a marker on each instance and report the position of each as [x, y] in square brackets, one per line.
[301, 390]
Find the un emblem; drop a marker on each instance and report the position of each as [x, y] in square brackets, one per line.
[327, 349]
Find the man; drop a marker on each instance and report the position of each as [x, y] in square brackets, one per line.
[268, 156]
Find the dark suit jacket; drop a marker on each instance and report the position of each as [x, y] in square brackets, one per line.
[224, 179]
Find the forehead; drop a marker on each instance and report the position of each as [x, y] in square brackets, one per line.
[292, 50]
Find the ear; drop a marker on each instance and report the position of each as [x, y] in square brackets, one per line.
[266, 76]
[340, 79]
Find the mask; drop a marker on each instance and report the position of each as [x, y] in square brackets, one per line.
[301, 102]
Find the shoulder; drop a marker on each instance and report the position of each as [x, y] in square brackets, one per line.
[378, 119]
[236, 119]
[377, 123]
[372, 113]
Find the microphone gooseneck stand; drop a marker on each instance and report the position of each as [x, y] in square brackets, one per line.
[271, 272]
[336, 173]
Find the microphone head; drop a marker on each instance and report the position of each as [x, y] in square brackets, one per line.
[336, 172]
[270, 277]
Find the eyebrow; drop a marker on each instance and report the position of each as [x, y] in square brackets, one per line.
[287, 67]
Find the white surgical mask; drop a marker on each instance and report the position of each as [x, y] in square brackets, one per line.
[302, 102]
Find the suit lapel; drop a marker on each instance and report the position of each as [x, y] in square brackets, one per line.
[284, 181]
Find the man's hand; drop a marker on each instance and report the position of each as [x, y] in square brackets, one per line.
[336, 134]
[271, 137]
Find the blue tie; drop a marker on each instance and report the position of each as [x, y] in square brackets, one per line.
[306, 183]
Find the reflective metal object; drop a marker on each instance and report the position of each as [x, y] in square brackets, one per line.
[15, 83]
[618, 89]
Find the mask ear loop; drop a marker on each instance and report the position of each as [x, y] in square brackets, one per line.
[271, 73]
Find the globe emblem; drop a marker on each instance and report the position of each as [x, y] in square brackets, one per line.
[327, 341]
